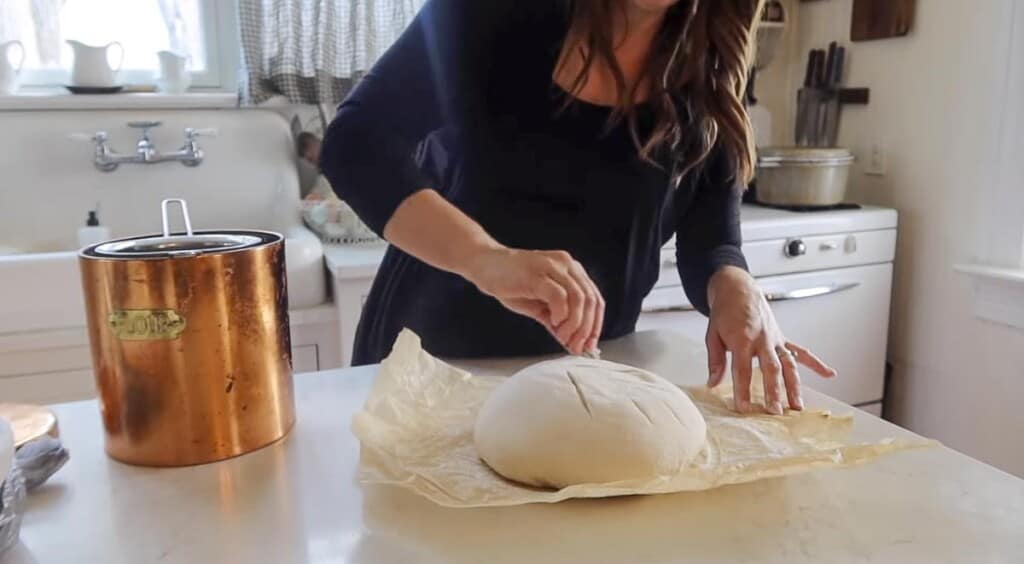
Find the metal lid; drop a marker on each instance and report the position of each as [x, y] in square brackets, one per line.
[177, 245]
[777, 156]
[190, 244]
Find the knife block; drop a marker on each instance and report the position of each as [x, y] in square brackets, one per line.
[824, 97]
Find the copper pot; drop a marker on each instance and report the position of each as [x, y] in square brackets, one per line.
[190, 343]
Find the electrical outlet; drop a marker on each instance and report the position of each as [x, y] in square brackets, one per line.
[876, 164]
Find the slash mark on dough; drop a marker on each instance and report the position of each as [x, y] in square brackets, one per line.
[642, 412]
[674, 414]
[579, 392]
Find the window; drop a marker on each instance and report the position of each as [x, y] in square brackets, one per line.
[202, 30]
[997, 265]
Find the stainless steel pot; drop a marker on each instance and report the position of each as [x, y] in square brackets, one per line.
[190, 343]
[801, 176]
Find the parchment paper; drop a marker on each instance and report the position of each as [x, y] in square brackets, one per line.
[416, 431]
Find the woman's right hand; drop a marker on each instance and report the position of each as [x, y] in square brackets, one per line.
[548, 286]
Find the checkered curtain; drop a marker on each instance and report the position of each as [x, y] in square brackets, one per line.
[313, 51]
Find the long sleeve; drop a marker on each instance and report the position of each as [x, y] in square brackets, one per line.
[434, 75]
[708, 228]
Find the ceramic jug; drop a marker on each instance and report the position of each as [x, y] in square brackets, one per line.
[90, 67]
[8, 72]
[173, 78]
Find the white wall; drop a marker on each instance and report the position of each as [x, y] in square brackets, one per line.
[48, 183]
[935, 106]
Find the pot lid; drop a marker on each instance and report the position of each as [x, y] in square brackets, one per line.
[177, 245]
[189, 244]
[808, 155]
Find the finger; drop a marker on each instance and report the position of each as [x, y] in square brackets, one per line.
[741, 381]
[716, 357]
[590, 342]
[791, 375]
[576, 300]
[578, 341]
[593, 329]
[590, 332]
[771, 374]
[555, 298]
[808, 359]
[599, 323]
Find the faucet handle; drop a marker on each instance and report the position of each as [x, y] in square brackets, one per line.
[193, 133]
[145, 126]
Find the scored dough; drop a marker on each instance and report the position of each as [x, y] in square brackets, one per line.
[576, 420]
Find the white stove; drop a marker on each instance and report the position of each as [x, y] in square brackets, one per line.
[828, 275]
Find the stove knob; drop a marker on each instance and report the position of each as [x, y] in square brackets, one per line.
[795, 248]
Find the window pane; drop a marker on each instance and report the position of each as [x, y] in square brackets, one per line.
[143, 27]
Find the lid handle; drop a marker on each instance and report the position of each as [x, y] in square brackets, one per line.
[184, 214]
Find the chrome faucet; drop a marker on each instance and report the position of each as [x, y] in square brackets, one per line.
[107, 159]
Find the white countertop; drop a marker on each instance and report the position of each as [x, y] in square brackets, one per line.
[296, 501]
[758, 224]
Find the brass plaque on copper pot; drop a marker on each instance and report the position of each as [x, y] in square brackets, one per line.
[146, 324]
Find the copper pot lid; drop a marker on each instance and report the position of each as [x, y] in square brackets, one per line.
[170, 245]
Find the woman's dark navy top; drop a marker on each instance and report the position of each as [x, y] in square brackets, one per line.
[464, 103]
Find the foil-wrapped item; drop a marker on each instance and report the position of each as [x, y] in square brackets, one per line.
[12, 506]
[40, 459]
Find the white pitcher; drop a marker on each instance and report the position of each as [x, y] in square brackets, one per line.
[174, 78]
[91, 67]
[8, 72]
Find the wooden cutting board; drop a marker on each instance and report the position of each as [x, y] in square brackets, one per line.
[879, 19]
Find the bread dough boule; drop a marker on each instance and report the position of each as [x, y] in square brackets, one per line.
[576, 420]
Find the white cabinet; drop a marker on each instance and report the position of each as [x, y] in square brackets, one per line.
[352, 268]
[304, 359]
[349, 296]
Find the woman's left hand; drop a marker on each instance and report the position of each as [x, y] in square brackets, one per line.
[742, 323]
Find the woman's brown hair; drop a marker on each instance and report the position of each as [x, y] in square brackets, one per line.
[696, 73]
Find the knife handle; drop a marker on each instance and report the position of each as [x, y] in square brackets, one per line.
[830, 61]
[812, 58]
[819, 68]
[837, 67]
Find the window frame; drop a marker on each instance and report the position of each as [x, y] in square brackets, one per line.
[218, 18]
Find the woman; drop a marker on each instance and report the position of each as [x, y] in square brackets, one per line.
[528, 159]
